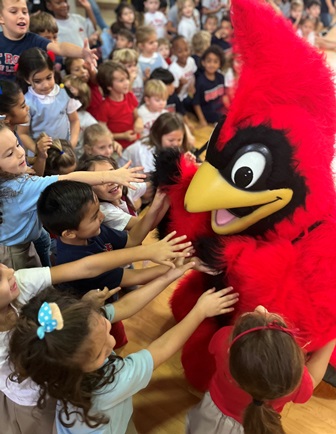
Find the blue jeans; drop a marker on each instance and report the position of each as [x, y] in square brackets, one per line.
[42, 246]
[326, 19]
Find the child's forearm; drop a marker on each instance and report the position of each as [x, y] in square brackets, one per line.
[74, 130]
[26, 140]
[318, 362]
[39, 165]
[143, 276]
[94, 265]
[200, 115]
[171, 341]
[134, 301]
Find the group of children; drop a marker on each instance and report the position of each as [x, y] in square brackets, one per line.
[76, 145]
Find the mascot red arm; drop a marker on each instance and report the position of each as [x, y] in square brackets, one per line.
[261, 208]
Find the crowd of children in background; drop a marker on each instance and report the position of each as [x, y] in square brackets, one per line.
[84, 109]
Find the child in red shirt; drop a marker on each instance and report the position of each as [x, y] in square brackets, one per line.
[119, 109]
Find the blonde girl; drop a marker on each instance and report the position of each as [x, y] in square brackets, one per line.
[188, 19]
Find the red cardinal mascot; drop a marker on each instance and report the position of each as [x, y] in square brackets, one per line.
[261, 208]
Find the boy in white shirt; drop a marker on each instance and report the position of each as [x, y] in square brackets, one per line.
[183, 68]
[155, 97]
[155, 18]
[73, 27]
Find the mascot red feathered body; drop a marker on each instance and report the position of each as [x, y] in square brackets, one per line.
[261, 208]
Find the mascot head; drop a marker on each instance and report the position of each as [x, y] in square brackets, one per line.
[268, 164]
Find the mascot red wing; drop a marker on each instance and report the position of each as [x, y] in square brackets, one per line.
[261, 208]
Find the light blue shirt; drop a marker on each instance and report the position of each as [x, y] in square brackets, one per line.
[19, 213]
[115, 400]
[48, 113]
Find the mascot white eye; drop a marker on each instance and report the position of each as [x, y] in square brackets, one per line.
[248, 169]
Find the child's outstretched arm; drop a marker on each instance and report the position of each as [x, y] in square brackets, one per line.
[66, 49]
[318, 362]
[91, 266]
[149, 222]
[134, 301]
[210, 304]
[123, 176]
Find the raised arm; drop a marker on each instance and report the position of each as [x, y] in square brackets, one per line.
[210, 303]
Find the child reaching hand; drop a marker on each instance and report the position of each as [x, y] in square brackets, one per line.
[20, 192]
[119, 109]
[94, 386]
[18, 401]
[248, 390]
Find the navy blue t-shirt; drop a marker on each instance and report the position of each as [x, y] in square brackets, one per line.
[107, 240]
[209, 96]
[174, 105]
[10, 52]
[220, 42]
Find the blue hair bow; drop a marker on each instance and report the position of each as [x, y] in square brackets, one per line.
[50, 318]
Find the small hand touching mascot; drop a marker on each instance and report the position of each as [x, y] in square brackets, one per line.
[261, 209]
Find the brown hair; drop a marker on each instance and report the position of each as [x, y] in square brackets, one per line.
[105, 74]
[200, 42]
[165, 124]
[267, 364]
[42, 22]
[54, 362]
[61, 156]
[79, 89]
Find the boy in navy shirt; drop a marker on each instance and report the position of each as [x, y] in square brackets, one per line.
[208, 99]
[15, 38]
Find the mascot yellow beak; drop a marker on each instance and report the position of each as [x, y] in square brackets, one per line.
[209, 191]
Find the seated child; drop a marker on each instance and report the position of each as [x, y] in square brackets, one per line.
[247, 390]
[222, 37]
[183, 68]
[149, 58]
[164, 49]
[108, 42]
[124, 38]
[174, 105]
[155, 101]
[306, 30]
[313, 10]
[129, 58]
[211, 23]
[199, 43]
[98, 140]
[213, 7]
[73, 27]
[80, 90]
[50, 107]
[118, 204]
[45, 25]
[126, 17]
[208, 99]
[189, 20]
[119, 110]
[94, 385]
[296, 12]
[154, 17]
[167, 131]
[78, 68]
[61, 158]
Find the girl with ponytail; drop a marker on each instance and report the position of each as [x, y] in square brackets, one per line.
[260, 366]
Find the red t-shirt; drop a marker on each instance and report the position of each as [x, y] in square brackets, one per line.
[119, 115]
[228, 396]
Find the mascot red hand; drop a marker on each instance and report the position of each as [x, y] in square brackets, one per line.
[261, 208]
